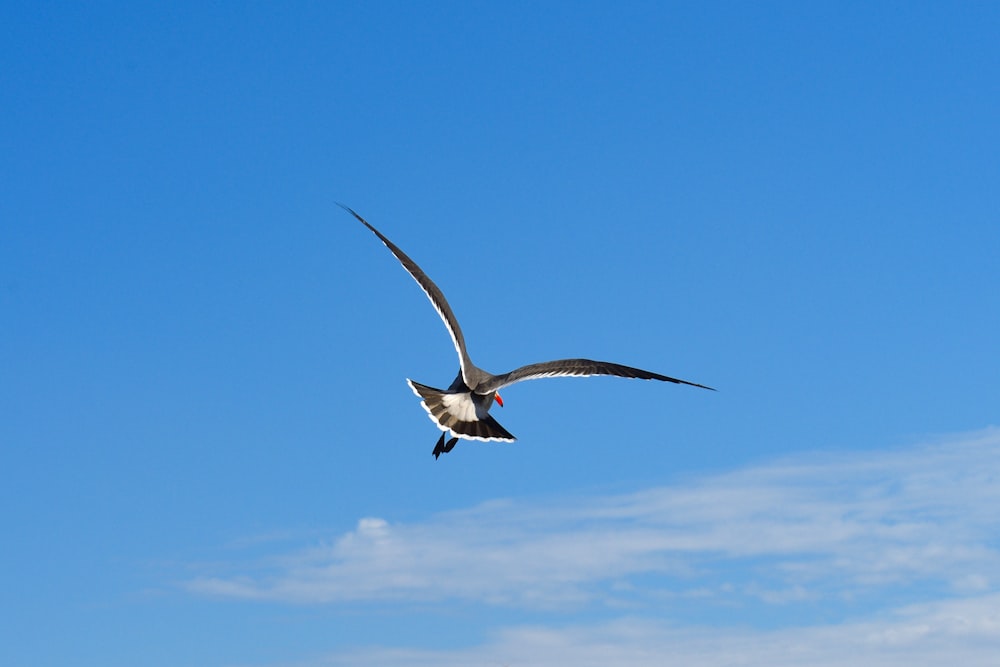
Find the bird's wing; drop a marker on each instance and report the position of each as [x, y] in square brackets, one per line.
[432, 291]
[576, 368]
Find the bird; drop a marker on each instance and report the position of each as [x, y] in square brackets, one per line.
[462, 410]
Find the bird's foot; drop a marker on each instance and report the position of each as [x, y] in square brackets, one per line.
[443, 447]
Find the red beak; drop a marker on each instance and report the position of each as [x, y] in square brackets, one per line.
[499, 400]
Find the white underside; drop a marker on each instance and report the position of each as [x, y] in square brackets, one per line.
[462, 407]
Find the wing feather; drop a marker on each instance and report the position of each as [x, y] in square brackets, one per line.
[576, 368]
[432, 291]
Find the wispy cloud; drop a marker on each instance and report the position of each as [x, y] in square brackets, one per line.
[831, 527]
[962, 632]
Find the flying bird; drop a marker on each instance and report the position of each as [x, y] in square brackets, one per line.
[463, 409]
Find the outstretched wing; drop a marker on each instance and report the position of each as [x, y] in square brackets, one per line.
[430, 289]
[576, 368]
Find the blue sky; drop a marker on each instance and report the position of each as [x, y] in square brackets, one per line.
[208, 452]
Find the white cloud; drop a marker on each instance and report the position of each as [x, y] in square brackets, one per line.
[962, 632]
[822, 526]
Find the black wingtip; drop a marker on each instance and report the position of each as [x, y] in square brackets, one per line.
[351, 211]
[366, 224]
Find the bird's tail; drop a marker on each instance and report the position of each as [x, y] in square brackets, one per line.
[462, 413]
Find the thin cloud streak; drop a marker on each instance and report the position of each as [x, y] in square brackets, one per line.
[961, 632]
[822, 526]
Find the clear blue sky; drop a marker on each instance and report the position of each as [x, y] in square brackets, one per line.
[208, 453]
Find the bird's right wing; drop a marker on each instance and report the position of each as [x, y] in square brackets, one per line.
[576, 368]
[431, 290]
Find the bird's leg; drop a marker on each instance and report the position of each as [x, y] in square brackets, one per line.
[443, 447]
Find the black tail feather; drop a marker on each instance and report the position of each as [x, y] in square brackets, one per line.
[481, 427]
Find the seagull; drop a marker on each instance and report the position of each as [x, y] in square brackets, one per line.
[463, 409]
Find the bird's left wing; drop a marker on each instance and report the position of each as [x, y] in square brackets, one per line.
[576, 368]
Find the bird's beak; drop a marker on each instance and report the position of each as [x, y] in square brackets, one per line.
[499, 400]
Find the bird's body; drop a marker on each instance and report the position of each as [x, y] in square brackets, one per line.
[462, 410]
